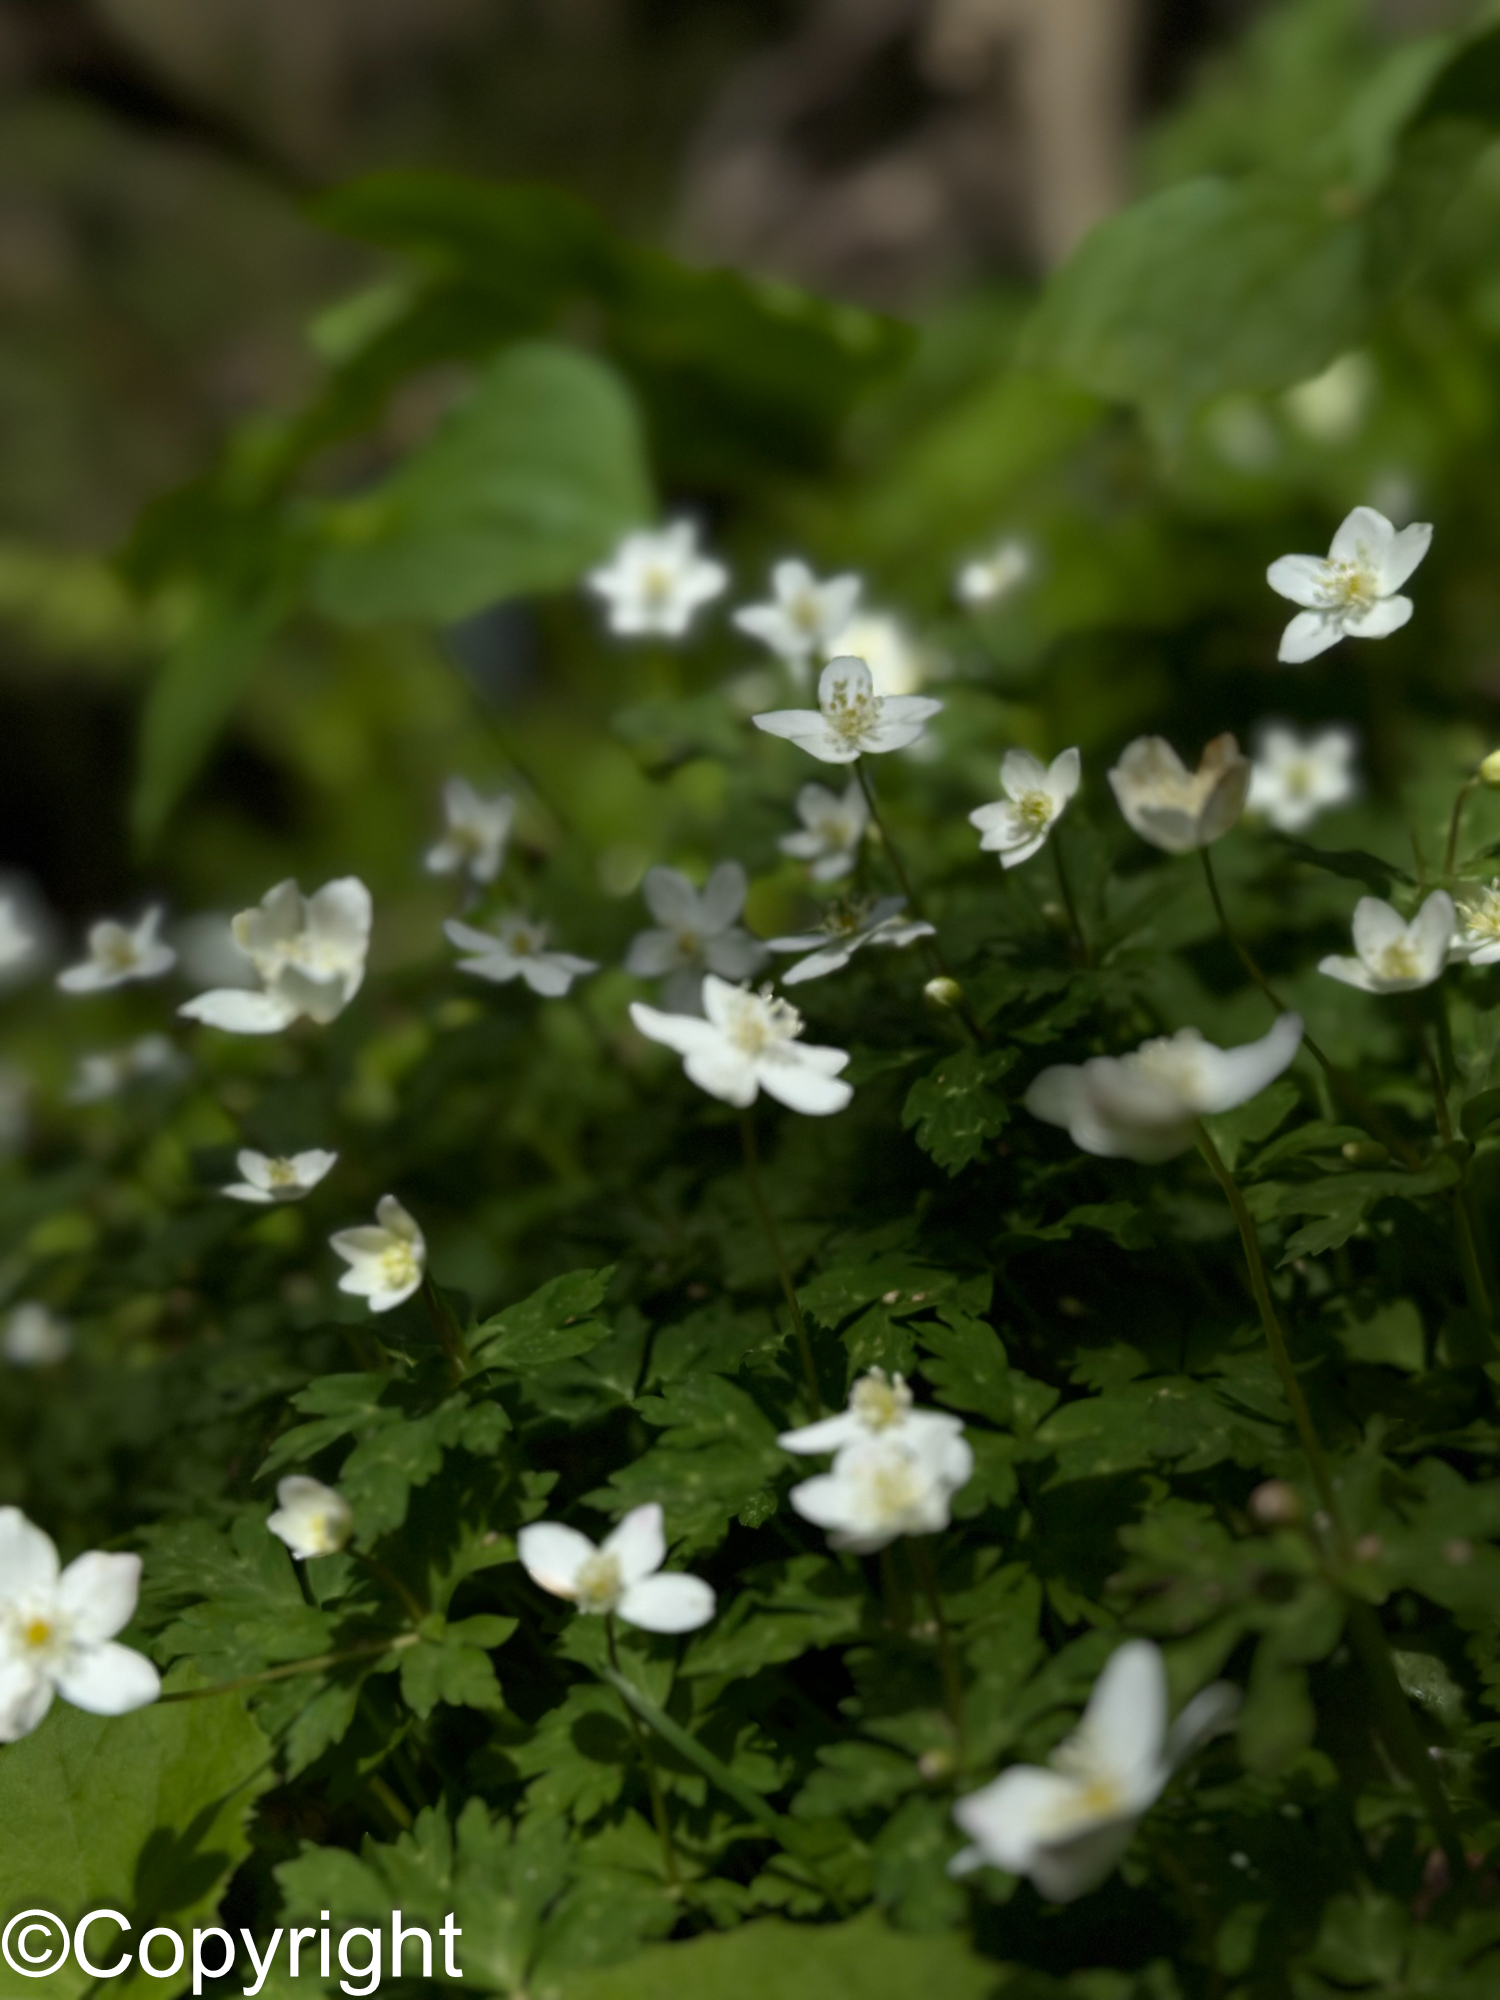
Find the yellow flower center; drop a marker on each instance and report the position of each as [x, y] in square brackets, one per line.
[1399, 960]
[37, 1632]
[878, 1403]
[657, 585]
[1034, 809]
[118, 952]
[759, 1023]
[398, 1267]
[852, 715]
[1482, 920]
[1349, 586]
[281, 1173]
[598, 1584]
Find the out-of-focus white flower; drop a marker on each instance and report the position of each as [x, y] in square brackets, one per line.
[896, 665]
[311, 1518]
[749, 1043]
[832, 828]
[880, 1405]
[1479, 927]
[35, 1337]
[900, 1481]
[656, 581]
[698, 931]
[848, 928]
[622, 1577]
[850, 720]
[119, 954]
[207, 954]
[1172, 807]
[1067, 1826]
[1331, 407]
[477, 829]
[1392, 955]
[1352, 592]
[270, 1178]
[1294, 777]
[17, 943]
[57, 1629]
[1036, 796]
[1145, 1106]
[308, 952]
[803, 616]
[517, 949]
[386, 1259]
[994, 576]
[150, 1059]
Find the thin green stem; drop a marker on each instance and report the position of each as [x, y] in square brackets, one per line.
[449, 1337]
[643, 1751]
[931, 950]
[1065, 888]
[1402, 1737]
[1463, 1224]
[1450, 853]
[953, 1682]
[778, 1257]
[318, 1665]
[415, 1609]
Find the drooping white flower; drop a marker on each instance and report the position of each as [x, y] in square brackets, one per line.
[994, 576]
[1352, 592]
[803, 616]
[57, 1629]
[35, 1337]
[656, 581]
[1068, 1825]
[1392, 955]
[1145, 1106]
[308, 952]
[1295, 777]
[1172, 807]
[697, 931]
[17, 943]
[517, 949]
[1036, 796]
[749, 1042]
[897, 665]
[880, 1405]
[851, 720]
[900, 1481]
[622, 1577]
[119, 954]
[475, 833]
[152, 1058]
[311, 1518]
[386, 1259]
[848, 928]
[1479, 927]
[832, 828]
[278, 1178]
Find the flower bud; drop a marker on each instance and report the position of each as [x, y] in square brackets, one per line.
[936, 1767]
[1276, 1504]
[1489, 771]
[944, 992]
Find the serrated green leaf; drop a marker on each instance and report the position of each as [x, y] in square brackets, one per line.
[954, 1109]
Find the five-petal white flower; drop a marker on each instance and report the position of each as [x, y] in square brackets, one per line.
[804, 615]
[517, 949]
[35, 1337]
[474, 837]
[278, 1178]
[1036, 796]
[118, 954]
[897, 1481]
[622, 1577]
[1352, 592]
[749, 1042]
[1295, 777]
[107, 1072]
[1145, 1106]
[1067, 1826]
[57, 1629]
[879, 1405]
[698, 931]
[994, 576]
[311, 1518]
[1176, 809]
[1392, 955]
[851, 720]
[308, 951]
[832, 828]
[848, 928]
[386, 1258]
[656, 581]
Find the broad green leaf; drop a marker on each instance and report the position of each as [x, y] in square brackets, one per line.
[954, 1109]
[556, 1322]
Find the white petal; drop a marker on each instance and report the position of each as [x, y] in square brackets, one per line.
[671, 899]
[1071, 1868]
[638, 1543]
[1377, 926]
[1403, 556]
[399, 1221]
[685, 1033]
[653, 954]
[1303, 579]
[1126, 1720]
[339, 917]
[240, 1012]
[553, 1555]
[243, 1191]
[670, 1602]
[108, 1680]
[723, 896]
[1020, 773]
[1386, 615]
[28, 1558]
[1350, 971]
[802, 1088]
[724, 1072]
[1210, 1712]
[1064, 775]
[1233, 1076]
[828, 1434]
[99, 1592]
[1007, 1818]
[810, 731]
[846, 677]
[1364, 537]
[312, 1166]
[734, 954]
[1310, 633]
[1432, 930]
[818, 965]
[25, 1697]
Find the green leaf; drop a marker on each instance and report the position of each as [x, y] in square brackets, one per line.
[778, 1612]
[954, 1109]
[555, 1323]
[1379, 877]
[1342, 1202]
[965, 1360]
[1480, 1113]
[717, 1452]
[1142, 1422]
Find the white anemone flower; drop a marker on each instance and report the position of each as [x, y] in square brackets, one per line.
[118, 954]
[697, 931]
[517, 949]
[311, 1518]
[1036, 796]
[151, 1058]
[1392, 955]
[657, 581]
[17, 944]
[900, 1481]
[897, 665]
[1145, 1106]
[35, 1337]
[1352, 592]
[474, 835]
[57, 1630]
[621, 1577]
[833, 825]
[1067, 1826]
[851, 720]
[1479, 927]
[750, 1042]
[386, 1259]
[880, 1405]
[803, 616]
[1176, 809]
[993, 577]
[308, 951]
[848, 928]
[1295, 777]
[278, 1178]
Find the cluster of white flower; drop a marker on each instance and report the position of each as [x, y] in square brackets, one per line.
[895, 1467]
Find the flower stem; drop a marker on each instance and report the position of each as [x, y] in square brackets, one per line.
[314, 1666]
[643, 1751]
[778, 1257]
[1065, 888]
[953, 1683]
[449, 1338]
[931, 950]
[1450, 853]
[392, 1583]
[1463, 1222]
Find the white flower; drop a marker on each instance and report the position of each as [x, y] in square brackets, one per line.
[1145, 1106]
[1391, 955]
[475, 835]
[17, 944]
[748, 1043]
[106, 1074]
[308, 951]
[1350, 592]
[118, 955]
[880, 1405]
[57, 1630]
[882, 642]
[386, 1260]
[898, 1481]
[278, 1179]
[1172, 807]
[517, 950]
[832, 829]
[656, 581]
[850, 720]
[35, 1337]
[848, 928]
[311, 1518]
[803, 616]
[623, 1576]
[698, 933]
[1293, 777]
[1479, 927]
[993, 576]
[1017, 826]
[1067, 1826]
